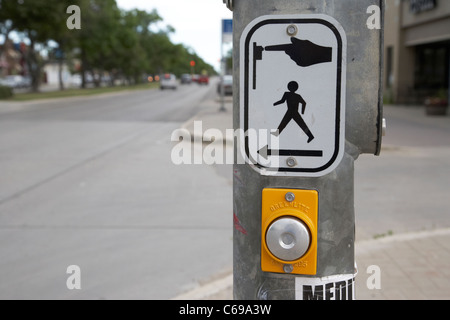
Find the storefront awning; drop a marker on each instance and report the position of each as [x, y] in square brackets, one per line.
[435, 31]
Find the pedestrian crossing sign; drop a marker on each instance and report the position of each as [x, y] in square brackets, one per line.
[292, 94]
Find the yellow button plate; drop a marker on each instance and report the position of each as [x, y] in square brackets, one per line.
[305, 207]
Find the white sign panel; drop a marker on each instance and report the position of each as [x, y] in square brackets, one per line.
[227, 30]
[292, 106]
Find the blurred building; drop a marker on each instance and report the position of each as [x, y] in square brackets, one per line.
[52, 73]
[417, 50]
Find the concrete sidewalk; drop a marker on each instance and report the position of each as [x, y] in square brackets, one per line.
[412, 266]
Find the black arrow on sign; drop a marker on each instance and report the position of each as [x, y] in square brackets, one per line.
[265, 152]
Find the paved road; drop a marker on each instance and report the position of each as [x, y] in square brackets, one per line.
[90, 182]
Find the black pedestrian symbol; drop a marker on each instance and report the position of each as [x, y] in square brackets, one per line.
[293, 101]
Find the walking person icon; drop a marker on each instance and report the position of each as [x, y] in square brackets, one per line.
[293, 101]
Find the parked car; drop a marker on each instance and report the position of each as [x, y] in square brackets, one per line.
[186, 79]
[227, 85]
[195, 78]
[203, 79]
[16, 82]
[168, 81]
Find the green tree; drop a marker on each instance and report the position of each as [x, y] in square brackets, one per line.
[61, 34]
[135, 60]
[96, 40]
[37, 20]
[118, 42]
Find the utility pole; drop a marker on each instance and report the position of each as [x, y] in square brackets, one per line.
[308, 97]
[227, 29]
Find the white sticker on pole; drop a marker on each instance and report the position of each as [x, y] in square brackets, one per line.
[340, 287]
[292, 102]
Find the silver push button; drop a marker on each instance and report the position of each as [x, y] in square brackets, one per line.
[288, 238]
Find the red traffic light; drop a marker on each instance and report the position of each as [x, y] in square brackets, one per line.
[192, 63]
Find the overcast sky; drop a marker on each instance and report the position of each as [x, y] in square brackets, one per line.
[197, 22]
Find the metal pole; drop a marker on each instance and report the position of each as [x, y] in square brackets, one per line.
[448, 93]
[222, 73]
[335, 234]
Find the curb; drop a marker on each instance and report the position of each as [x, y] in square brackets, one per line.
[208, 290]
[202, 116]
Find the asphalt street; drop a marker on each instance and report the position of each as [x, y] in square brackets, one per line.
[90, 182]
